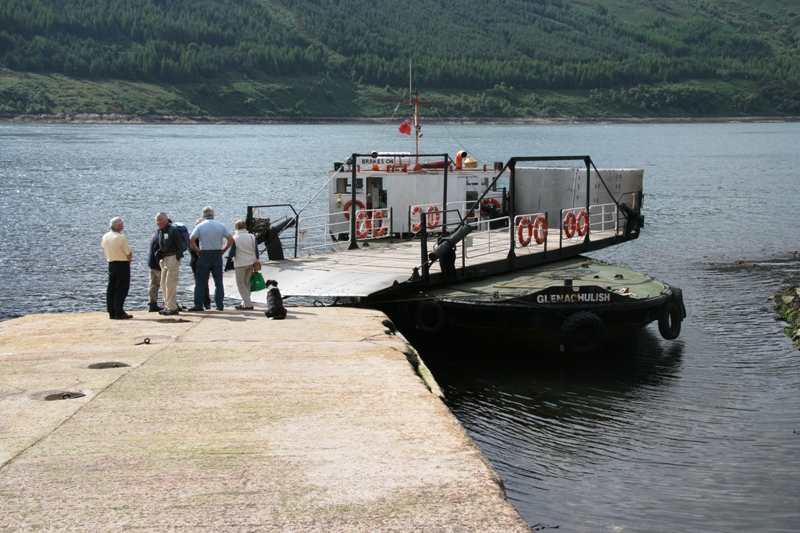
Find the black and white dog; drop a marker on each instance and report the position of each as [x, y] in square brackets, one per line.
[275, 309]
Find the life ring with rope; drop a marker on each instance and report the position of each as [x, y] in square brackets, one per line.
[347, 205]
[570, 225]
[540, 229]
[416, 213]
[363, 225]
[582, 222]
[379, 227]
[525, 223]
[432, 216]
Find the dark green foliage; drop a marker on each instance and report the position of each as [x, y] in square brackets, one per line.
[636, 57]
[168, 40]
[651, 100]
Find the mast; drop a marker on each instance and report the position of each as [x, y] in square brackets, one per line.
[413, 95]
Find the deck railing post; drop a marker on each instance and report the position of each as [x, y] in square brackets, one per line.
[424, 248]
[588, 162]
[444, 194]
[353, 199]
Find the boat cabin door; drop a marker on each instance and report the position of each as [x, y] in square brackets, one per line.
[376, 195]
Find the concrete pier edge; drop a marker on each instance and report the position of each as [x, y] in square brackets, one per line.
[227, 421]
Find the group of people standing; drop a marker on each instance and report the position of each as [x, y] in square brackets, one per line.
[208, 243]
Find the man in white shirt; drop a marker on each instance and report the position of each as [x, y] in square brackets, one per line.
[118, 254]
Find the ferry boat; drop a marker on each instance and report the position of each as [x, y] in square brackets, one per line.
[450, 248]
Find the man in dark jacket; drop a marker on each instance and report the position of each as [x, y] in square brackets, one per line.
[171, 244]
[155, 274]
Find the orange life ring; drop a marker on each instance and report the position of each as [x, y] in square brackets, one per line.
[524, 222]
[540, 229]
[363, 225]
[492, 201]
[570, 225]
[583, 222]
[416, 212]
[346, 207]
[378, 224]
[432, 216]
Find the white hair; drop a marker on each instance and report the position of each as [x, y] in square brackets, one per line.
[115, 223]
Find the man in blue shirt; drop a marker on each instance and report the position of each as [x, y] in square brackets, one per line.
[215, 239]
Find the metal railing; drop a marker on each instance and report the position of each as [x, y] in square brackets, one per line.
[487, 241]
[316, 233]
[603, 217]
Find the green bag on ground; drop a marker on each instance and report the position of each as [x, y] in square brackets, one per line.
[257, 282]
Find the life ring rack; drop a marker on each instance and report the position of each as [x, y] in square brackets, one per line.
[576, 224]
[536, 230]
[431, 213]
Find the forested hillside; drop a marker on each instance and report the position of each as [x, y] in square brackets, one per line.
[350, 57]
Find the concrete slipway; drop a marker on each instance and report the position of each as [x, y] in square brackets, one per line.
[231, 422]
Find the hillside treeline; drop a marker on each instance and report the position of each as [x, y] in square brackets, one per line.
[456, 45]
[171, 41]
[555, 44]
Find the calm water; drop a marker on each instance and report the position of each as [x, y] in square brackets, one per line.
[691, 435]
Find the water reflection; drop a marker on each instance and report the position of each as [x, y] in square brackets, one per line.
[559, 419]
[689, 433]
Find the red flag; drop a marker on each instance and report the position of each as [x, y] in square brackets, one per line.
[405, 127]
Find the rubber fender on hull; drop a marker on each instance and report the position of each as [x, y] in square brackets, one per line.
[430, 317]
[671, 315]
[583, 332]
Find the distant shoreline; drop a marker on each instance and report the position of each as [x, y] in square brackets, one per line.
[115, 118]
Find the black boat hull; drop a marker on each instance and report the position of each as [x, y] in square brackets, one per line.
[525, 327]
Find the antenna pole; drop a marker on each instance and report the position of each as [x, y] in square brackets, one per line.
[416, 128]
[413, 95]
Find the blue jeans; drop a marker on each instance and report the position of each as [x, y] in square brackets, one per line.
[209, 262]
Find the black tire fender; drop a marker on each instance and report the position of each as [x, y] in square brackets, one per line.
[677, 299]
[583, 332]
[670, 317]
[430, 317]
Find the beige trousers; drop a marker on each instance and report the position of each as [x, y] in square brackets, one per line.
[243, 275]
[169, 282]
